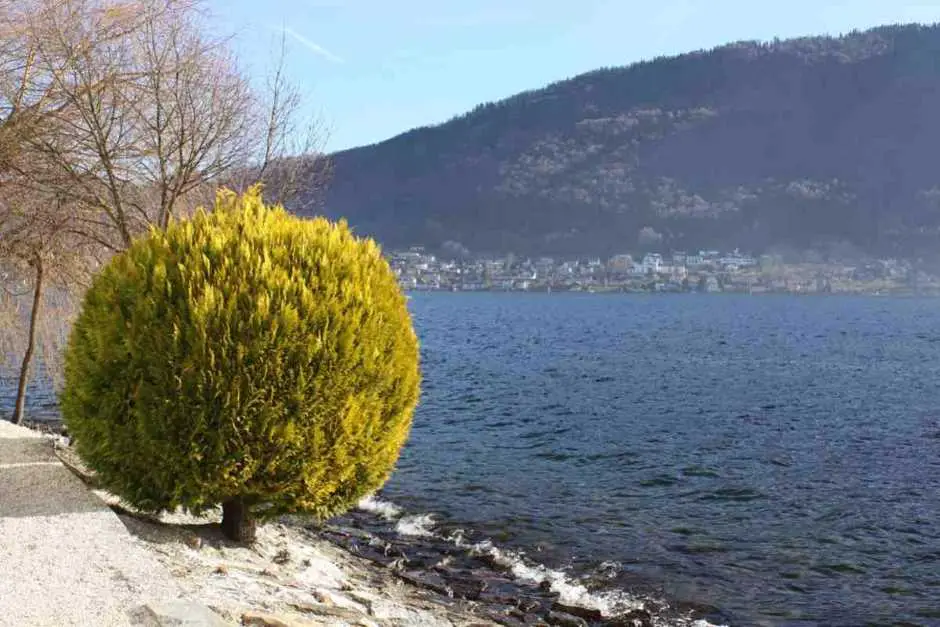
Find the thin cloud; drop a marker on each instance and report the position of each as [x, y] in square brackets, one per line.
[312, 46]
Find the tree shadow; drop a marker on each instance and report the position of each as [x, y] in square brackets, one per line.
[154, 530]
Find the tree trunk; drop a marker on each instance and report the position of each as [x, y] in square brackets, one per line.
[19, 409]
[237, 523]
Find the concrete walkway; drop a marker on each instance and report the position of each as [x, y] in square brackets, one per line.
[65, 557]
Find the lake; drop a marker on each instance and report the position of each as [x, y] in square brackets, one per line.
[775, 457]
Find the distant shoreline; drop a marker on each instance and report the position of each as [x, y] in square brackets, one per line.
[610, 292]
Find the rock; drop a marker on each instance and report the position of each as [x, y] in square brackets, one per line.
[263, 619]
[431, 581]
[506, 619]
[331, 611]
[581, 612]
[362, 599]
[467, 588]
[176, 613]
[700, 610]
[463, 584]
[528, 604]
[565, 620]
[282, 557]
[390, 550]
[634, 618]
[260, 619]
[497, 589]
[517, 614]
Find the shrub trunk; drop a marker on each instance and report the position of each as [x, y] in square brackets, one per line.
[238, 524]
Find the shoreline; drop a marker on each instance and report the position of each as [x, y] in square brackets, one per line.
[757, 294]
[378, 566]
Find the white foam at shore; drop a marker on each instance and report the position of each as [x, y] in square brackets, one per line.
[385, 509]
[569, 593]
[421, 525]
[609, 603]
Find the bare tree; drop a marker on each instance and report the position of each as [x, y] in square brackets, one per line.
[195, 113]
[286, 154]
[130, 109]
[118, 115]
[39, 250]
[149, 109]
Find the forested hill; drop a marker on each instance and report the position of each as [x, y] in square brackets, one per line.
[810, 143]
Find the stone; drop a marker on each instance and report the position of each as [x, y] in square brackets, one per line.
[633, 618]
[331, 611]
[565, 620]
[431, 581]
[262, 619]
[581, 612]
[265, 619]
[176, 613]
[363, 600]
[467, 588]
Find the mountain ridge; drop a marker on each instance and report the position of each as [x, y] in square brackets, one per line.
[822, 143]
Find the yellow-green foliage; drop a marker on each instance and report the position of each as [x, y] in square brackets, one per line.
[243, 353]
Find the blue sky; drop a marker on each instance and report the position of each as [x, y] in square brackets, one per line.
[374, 68]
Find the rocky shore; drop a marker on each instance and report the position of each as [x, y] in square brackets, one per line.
[374, 566]
[298, 577]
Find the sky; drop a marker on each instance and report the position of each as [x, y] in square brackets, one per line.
[371, 69]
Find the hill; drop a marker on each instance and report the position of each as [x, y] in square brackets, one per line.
[818, 143]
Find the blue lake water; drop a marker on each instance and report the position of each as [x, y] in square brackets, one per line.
[775, 457]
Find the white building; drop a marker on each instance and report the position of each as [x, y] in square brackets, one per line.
[652, 264]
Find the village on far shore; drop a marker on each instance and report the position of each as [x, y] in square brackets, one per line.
[707, 271]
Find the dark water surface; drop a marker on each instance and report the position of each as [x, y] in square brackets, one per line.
[777, 457]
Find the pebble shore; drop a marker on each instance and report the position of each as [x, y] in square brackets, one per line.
[355, 570]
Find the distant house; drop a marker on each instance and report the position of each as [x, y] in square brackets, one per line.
[736, 260]
[545, 266]
[620, 263]
[653, 262]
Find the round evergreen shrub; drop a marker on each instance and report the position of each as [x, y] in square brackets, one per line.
[247, 358]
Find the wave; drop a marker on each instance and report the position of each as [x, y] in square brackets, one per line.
[421, 525]
[388, 511]
[609, 603]
[569, 592]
